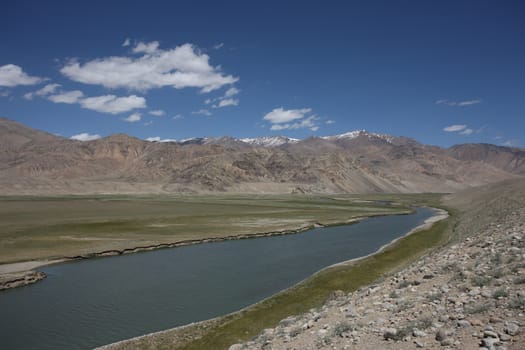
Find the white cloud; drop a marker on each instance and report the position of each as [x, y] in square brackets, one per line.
[126, 42]
[113, 104]
[231, 92]
[454, 128]
[227, 102]
[330, 121]
[218, 46]
[85, 137]
[157, 112]
[105, 104]
[459, 128]
[133, 118]
[13, 75]
[4, 93]
[142, 47]
[202, 112]
[178, 116]
[46, 90]
[304, 123]
[280, 115]
[68, 97]
[182, 67]
[459, 103]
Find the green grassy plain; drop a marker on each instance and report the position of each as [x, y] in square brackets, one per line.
[33, 228]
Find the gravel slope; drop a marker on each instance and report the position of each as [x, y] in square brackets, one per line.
[467, 295]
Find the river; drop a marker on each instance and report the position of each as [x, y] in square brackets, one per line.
[84, 304]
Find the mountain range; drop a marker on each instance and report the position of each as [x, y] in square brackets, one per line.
[36, 162]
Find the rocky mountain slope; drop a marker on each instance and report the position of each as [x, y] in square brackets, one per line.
[34, 162]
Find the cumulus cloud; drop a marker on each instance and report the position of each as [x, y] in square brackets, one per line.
[454, 128]
[46, 90]
[329, 122]
[157, 112]
[133, 118]
[226, 102]
[282, 119]
[304, 123]
[459, 103]
[467, 132]
[68, 97]
[231, 92]
[142, 47]
[218, 46]
[126, 42]
[178, 116]
[12, 75]
[85, 137]
[280, 115]
[105, 104]
[202, 112]
[182, 67]
[113, 104]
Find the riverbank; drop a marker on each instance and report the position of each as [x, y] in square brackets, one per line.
[466, 295]
[20, 274]
[307, 293]
[40, 231]
[23, 273]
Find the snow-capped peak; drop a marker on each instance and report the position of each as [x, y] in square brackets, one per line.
[270, 141]
[354, 134]
[346, 135]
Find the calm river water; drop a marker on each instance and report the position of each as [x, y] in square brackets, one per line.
[81, 305]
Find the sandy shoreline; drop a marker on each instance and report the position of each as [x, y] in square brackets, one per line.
[27, 265]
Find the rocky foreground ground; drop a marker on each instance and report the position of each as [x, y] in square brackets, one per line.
[468, 295]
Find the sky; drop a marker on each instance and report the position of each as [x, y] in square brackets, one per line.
[441, 72]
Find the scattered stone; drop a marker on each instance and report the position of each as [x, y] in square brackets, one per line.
[494, 319]
[463, 323]
[448, 295]
[418, 333]
[490, 334]
[476, 322]
[505, 337]
[490, 343]
[447, 342]
[390, 333]
[511, 328]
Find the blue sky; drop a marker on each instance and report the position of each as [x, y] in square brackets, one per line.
[442, 72]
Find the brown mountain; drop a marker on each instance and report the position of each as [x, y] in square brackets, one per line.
[34, 162]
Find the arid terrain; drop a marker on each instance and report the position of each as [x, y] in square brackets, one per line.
[464, 295]
[468, 295]
[35, 163]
